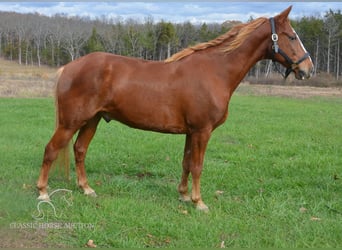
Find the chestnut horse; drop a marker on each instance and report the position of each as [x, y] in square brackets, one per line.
[186, 94]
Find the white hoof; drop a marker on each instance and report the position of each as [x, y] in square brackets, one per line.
[184, 198]
[200, 206]
[44, 197]
[90, 192]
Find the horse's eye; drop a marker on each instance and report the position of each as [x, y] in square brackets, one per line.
[292, 38]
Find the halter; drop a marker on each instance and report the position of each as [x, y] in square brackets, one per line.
[276, 49]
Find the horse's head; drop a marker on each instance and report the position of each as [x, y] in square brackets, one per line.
[287, 48]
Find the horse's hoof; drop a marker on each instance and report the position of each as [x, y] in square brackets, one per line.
[184, 198]
[90, 192]
[44, 197]
[202, 207]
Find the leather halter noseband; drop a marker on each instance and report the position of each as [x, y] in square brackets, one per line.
[277, 50]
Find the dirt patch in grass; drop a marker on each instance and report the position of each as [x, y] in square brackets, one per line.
[15, 238]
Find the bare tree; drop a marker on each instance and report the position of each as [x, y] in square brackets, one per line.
[76, 34]
[20, 32]
[132, 37]
[331, 27]
[56, 36]
[338, 60]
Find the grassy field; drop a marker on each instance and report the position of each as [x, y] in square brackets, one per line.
[272, 178]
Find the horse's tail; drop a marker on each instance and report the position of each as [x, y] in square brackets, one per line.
[62, 162]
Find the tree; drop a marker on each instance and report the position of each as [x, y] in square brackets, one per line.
[166, 36]
[331, 27]
[109, 33]
[149, 39]
[39, 36]
[76, 34]
[20, 32]
[94, 43]
[132, 38]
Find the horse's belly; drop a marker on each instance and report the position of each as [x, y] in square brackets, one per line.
[164, 122]
[153, 106]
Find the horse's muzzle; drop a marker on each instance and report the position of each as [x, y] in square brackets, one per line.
[302, 74]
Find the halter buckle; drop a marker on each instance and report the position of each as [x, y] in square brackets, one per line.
[275, 47]
[274, 37]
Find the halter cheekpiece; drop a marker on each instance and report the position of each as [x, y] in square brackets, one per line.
[277, 50]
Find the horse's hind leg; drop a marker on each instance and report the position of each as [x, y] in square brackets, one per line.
[59, 140]
[84, 137]
[183, 186]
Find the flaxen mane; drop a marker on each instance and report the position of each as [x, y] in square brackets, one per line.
[238, 34]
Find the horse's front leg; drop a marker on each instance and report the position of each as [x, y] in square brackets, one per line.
[199, 142]
[84, 137]
[194, 155]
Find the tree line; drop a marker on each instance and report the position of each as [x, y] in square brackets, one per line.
[56, 40]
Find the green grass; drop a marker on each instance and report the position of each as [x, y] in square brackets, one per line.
[271, 158]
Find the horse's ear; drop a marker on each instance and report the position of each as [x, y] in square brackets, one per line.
[284, 15]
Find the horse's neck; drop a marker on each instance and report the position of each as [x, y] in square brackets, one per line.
[243, 58]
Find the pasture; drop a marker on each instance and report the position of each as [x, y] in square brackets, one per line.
[272, 178]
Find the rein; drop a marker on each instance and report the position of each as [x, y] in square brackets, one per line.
[277, 50]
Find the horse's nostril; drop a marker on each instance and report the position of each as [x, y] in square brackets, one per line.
[301, 74]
